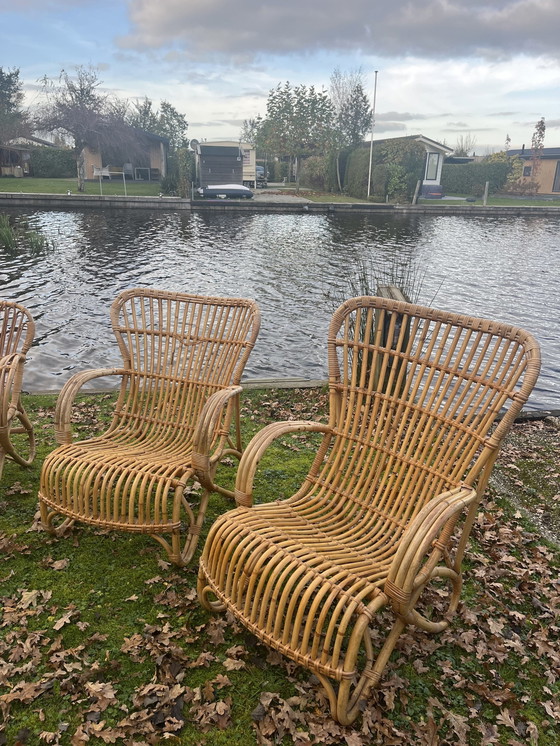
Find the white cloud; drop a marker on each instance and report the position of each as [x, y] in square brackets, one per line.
[432, 28]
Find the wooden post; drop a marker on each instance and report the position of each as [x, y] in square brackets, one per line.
[391, 292]
[485, 198]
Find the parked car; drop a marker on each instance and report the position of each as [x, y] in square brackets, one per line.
[262, 176]
[225, 191]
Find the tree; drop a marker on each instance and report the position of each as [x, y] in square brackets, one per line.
[537, 146]
[299, 123]
[353, 116]
[76, 107]
[351, 105]
[173, 125]
[167, 122]
[465, 145]
[143, 115]
[250, 130]
[13, 120]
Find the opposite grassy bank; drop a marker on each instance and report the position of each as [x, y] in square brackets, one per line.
[102, 641]
[115, 187]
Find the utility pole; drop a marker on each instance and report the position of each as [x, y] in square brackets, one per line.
[371, 143]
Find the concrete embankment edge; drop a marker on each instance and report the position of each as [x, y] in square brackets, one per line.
[86, 201]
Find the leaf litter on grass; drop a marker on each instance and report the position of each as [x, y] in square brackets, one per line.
[183, 676]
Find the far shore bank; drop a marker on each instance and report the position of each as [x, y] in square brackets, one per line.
[85, 201]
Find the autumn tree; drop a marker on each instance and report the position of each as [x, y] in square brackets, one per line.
[13, 120]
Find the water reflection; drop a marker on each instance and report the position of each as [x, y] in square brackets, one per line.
[290, 263]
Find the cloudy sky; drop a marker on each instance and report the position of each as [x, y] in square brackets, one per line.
[447, 68]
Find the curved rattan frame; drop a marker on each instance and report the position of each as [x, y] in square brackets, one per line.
[17, 329]
[389, 502]
[176, 416]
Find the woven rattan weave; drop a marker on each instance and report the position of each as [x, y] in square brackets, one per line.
[183, 356]
[389, 501]
[17, 329]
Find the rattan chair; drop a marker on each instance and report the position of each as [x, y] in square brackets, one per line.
[17, 330]
[389, 501]
[179, 398]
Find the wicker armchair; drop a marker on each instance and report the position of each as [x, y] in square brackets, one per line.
[389, 501]
[17, 329]
[179, 394]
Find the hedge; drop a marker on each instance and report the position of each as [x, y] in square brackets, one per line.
[52, 163]
[470, 178]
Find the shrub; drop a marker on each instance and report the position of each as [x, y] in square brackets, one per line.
[396, 167]
[313, 172]
[52, 163]
[357, 170]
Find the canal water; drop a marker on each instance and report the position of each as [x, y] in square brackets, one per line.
[296, 266]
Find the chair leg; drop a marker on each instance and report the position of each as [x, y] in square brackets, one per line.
[181, 553]
[346, 700]
[47, 516]
[204, 592]
[25, 428]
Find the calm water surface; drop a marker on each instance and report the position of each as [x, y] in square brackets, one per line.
[292, 265]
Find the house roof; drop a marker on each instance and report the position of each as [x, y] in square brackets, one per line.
[528, 153]
[223, 143]
[426, 141]
[151, 135]
[31, 141]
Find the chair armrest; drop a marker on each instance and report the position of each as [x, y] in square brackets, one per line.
[68, 393]
[204, 433]
[11, 376]
[8, 360]
[428, 534]
[257, 447]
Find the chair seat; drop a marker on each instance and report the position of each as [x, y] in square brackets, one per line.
[272, 562]
[114, 484]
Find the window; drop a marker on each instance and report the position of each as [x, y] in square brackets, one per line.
[527, 170]
[556, 183]
[432, 164]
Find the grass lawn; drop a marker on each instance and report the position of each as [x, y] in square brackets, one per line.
[452, 200]
[493, 201]
[102, 641]
[30, 185]
[152, 189]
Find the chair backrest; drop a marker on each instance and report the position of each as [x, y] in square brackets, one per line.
[179, 349]
[17, 328]
[415, 393]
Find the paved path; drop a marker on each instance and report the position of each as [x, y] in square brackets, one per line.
[271, 195]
